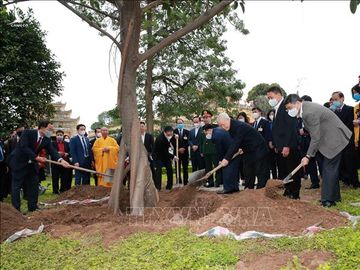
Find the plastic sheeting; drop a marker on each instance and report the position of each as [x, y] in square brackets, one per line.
[68, 202]
[224, 232]
[24, 233]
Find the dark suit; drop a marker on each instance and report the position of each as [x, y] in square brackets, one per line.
[184, 157]
[25, 168]
[3, 174]
[284, 133]
[348, 167]
[163, 158]
[81, 154]
[59, 172]
[304, 142]
[197, 161]
[149, 146]
[230, 175]
[264, 129]
[255, 153]
[92, 141]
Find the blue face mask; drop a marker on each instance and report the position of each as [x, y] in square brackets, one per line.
[180, 126]
[337, 104]
[356, 96]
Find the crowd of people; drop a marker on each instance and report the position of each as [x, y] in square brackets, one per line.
[323, 138]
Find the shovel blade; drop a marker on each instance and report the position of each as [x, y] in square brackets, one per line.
[109, 175]
[286, 181]
[196, 176]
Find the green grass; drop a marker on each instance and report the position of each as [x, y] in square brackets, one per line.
[179, 249]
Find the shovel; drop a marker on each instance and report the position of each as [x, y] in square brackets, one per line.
[288, 178]
[107, 176]
[196, 178]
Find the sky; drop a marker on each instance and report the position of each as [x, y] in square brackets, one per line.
[310, 47]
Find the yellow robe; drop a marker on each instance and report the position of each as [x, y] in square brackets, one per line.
[105, 160]
[356, 129]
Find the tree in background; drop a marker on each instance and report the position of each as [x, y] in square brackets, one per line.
[353, 5]
[192, 71]
[107, 119]
[257, 95]
[29, 75]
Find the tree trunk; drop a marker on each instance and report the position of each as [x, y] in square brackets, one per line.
[142, 190]
[149, 96]
[149, 112]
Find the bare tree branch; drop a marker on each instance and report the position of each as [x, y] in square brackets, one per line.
[151, 5]
[90, 22]
[12, 2]
[202, 19]
[94, 9]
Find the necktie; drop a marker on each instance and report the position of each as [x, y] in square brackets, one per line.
[255, 124]
[85, 147]
[1, 154]
[37, 144]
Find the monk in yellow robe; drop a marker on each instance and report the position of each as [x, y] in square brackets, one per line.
[105, 151]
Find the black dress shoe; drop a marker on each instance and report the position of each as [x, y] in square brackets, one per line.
[313, 187]
[328, 204]
[292, 197]
[227, 191]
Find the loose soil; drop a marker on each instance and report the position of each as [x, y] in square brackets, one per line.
[273, 261]
[264, 210]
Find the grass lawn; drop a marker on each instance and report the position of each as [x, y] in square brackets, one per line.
[179, 249]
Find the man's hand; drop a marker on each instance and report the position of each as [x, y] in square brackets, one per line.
[305, 161]
[271, 146]
[356, 123]
[181, 150]
[106, 149]
[301, 132]
[285, 152]
[195, 148]
[77, 164]
[176, 158]
[224, 162]
[64, 163]
[40, 159]
[176, 136]
[202, 155]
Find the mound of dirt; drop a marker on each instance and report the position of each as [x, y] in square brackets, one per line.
[11, 221]
[272, 189]
[84, 192]
[200, 210]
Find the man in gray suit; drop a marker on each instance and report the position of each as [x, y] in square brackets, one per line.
[329, 136]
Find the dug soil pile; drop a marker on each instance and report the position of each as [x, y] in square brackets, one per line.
[12, 221]
[261, 210]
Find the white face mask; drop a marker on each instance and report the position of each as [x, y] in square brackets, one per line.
[271, 117]
[293, 112]
[67, 140]
[208, 136]
[256, 115]
[242, 119]
[48, 133]
[273, 102]
[196, 125]
[81, 132]
[98, 135]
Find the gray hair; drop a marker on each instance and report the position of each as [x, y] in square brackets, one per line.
[223, 117]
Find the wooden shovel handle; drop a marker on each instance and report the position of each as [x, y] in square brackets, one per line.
[77, 168]
[240, 152]
[296, 169]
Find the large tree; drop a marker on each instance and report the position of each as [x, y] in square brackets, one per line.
[29, 75]
[125, 18]
[192, 71]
